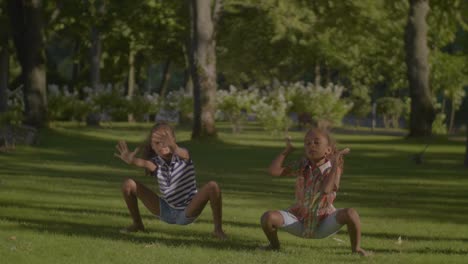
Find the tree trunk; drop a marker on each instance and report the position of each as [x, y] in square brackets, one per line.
[417, 53]
[131, 78]
[197, 122]
[27, 31]
[4, 70]
[188, 84]
[75, 66]
[165, 77]
[452, 116]
[94, 119]
[466, 150]
[203, 65]
[95, 74]
[318, 75]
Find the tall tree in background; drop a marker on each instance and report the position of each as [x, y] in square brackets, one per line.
[4, 59]
[27, 31]
[98, 10]
[204, 21]
[417, 53]
[466, 151]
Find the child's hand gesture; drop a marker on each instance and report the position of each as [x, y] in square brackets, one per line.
[124, 154]
[338, 155]
[165, 138]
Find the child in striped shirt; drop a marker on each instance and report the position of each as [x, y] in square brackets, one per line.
[317, 181]
[180, 202]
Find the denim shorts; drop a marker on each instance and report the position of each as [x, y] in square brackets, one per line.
[173, 216]
[326, 228]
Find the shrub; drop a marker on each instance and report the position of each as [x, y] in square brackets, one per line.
[323, 104]
[272, 110]
[14, 114]
[180, 101]
[391, 109]
[438, 126]
[235, 104]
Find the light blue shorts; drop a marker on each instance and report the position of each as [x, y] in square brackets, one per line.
[326, 227]
[173, 216]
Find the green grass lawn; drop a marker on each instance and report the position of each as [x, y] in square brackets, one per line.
[60, 201]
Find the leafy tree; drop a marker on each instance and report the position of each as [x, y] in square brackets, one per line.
[141, 28]
[28, 36]
[449, 76]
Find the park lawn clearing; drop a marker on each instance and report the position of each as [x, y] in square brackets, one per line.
[60, 201]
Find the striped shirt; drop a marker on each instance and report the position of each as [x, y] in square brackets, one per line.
[176, 180]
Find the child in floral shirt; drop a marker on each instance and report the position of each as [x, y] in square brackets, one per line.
[317, 180]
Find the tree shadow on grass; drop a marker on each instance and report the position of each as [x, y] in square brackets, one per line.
[64, 209]
[151, 236]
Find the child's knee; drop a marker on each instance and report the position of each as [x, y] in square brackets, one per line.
[347, 215]
[128, 185]
[213, 187]
[269, 217]
[352, 213]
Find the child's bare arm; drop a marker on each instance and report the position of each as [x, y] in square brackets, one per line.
[333, 181]
[129, 157]
[276, 168]
[181, 152]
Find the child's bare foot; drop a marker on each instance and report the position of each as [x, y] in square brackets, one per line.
[219, 235]
[362, 252]
[268, 247]
[132, 229]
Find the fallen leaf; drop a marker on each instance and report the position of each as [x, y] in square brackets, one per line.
[338, 240]
[399, 241]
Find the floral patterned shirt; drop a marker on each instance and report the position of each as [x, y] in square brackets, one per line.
[311, 205]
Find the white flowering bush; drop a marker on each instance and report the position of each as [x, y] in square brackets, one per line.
[323, 104]
[235, 104]
[272, 110]
[108, 101]
[141, 105]
[180, 101]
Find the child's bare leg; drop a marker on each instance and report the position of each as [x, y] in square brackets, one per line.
[350, 217]
[209, 192]
[132, 190]
[271, 221]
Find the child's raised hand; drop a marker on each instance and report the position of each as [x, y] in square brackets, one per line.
[344, 151]
[165, 138]
[124, 154]
[339, 153]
